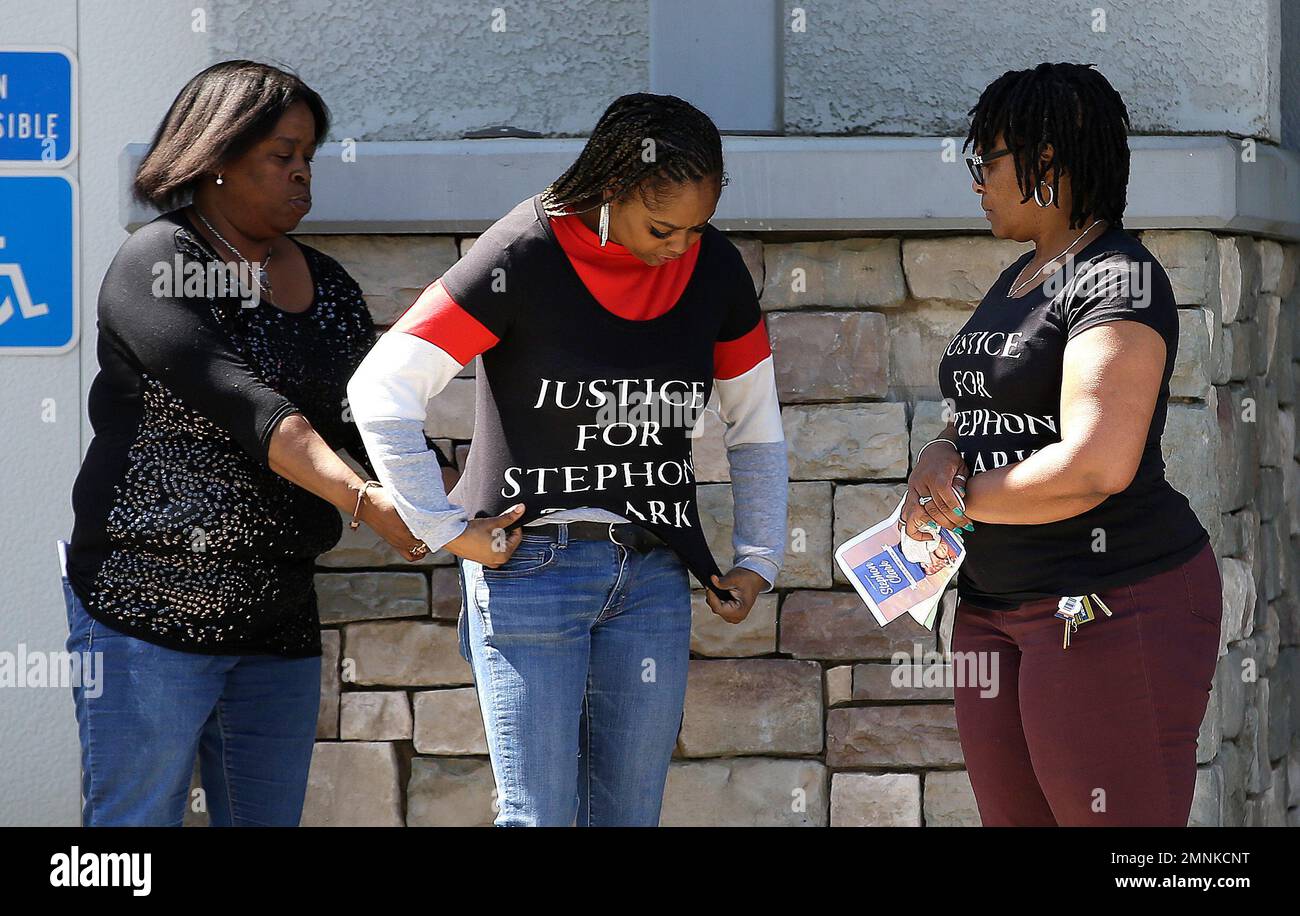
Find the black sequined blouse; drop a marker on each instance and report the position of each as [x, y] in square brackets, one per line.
[183, 535]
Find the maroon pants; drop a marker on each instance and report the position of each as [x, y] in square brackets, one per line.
[1102, 733]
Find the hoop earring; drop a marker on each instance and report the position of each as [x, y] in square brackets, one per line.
[220, 180]
[1038, 199]
[604, 223]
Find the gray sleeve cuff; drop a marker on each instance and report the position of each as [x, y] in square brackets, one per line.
[764, 567]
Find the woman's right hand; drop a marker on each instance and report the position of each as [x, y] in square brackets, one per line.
[486, 541]
[935, 476]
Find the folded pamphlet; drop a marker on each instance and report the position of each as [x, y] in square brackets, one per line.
[896, 574]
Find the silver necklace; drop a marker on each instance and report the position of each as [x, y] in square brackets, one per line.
[262, 279]
[1021, 285]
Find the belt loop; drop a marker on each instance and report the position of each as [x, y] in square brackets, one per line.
[563, 536]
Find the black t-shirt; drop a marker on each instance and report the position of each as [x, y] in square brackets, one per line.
[1001, 376]
[183, 535]
[577, 406]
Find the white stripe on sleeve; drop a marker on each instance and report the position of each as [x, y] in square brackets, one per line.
[389, 395]
[749, 407]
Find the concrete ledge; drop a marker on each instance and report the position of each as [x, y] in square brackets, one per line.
[812, 184]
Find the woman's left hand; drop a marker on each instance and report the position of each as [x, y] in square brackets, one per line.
[744, 585]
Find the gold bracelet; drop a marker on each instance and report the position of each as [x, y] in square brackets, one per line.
[361, 494]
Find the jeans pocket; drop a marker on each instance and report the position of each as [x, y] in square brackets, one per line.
[1215, 618]
[463, 576]
[1203, 588]
[462, 637]
[529, 557]
[79, 622]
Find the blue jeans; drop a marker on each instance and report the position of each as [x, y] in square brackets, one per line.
[251, 719]
[580, 651]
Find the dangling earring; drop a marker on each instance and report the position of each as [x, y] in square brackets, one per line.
[604, 223]
[220, 180]
[1038, 198]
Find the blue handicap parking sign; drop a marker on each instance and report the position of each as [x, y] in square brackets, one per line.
[37, 106]
[38, 263]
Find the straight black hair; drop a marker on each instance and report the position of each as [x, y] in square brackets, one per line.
[1074, 108]
[643, 142]
[217, 116]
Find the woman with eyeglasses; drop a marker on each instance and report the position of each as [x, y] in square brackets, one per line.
[603, 311]
[1088, 579]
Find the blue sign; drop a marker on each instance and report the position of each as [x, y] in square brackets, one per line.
[38, 263]
[37, 106]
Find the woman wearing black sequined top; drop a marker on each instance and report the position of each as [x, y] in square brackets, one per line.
[212, 483]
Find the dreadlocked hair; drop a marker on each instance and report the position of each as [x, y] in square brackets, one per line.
[1074, 108]
[642, 142]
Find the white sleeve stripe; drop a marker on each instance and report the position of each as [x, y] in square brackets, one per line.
[749, 406]
[389, 397]
[398, 376]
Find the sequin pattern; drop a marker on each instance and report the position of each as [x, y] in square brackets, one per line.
[211, 550]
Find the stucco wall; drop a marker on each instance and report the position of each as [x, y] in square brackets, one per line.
[433, 70]
[917, 67]
[408, 70]
[1289, 74]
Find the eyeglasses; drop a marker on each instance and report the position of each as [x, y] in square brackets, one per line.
[976, 163]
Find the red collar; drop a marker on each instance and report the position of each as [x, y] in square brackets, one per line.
[618, 279]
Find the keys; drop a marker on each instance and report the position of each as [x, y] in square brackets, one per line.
[1069, 607]
[1076, 610]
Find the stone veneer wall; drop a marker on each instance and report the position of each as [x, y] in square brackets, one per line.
[791, 717]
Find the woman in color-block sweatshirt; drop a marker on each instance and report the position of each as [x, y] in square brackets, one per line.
[605, 312]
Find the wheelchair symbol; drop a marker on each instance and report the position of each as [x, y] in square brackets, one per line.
[26, 306]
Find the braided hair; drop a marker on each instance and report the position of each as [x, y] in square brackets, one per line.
[1074, 108]
[644, 142]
